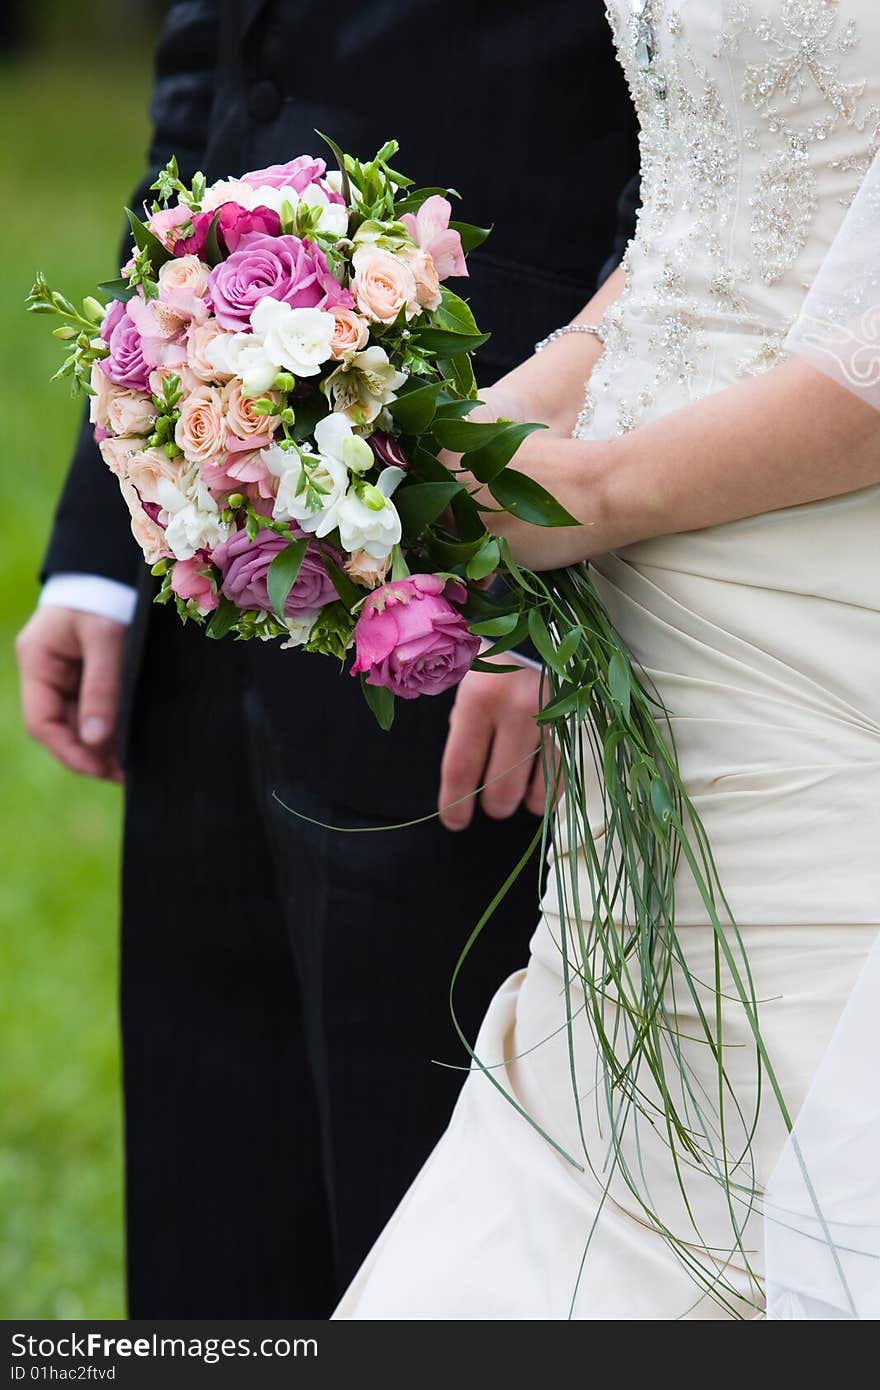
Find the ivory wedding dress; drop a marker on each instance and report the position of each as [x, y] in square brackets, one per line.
[760, 120]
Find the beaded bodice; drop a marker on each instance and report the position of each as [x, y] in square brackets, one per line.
[759, 119]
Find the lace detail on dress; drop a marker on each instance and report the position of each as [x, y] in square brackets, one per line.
[744, 107]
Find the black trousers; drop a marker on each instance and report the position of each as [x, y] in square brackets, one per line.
[285, 987]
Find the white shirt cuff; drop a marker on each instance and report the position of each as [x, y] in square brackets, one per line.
[91, 593]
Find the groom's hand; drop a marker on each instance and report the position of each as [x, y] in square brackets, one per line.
[70, 664]
[493, 743]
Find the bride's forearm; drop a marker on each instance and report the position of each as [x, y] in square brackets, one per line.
[549, 386]
[782, 439]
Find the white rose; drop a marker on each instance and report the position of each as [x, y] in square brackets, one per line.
[243, 355]
[298, 339]
[366, 525]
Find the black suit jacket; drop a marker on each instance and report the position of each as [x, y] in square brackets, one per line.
[520, 106]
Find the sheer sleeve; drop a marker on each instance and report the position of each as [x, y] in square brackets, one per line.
[838, 328]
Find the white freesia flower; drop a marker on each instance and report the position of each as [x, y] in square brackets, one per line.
[363, 385]
[310, 488]
[372, 525]
[336, 439]
[333, 219]
[191, 519]
[297, 339]
[243, 355]
[300, 629]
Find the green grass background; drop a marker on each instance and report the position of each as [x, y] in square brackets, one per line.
[74, 118]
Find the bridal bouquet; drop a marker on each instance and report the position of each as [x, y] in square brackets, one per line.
[272, 379]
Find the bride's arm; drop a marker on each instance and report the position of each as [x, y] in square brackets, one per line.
[788, 437]
[549, 387]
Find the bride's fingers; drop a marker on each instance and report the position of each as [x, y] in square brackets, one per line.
[546, 772]
[509, 770]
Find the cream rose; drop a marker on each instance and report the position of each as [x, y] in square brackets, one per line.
[186, 273]
[103, 391]
[241, 418]
[148, 468]
[421, 263]
[198, 339]
[116, 453]
[188, 379]
[365, 570]
[201, 430]
[130, 412]
[383, 284]
[148, 533]
[350, 333]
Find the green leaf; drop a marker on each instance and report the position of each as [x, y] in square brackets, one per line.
[469, 524]
[486, 560]
[494, 667]
[660, 802]
[308, 412]
[117, 289]
[453, 313]
[568, 646]
[444, 344]
[620, 682]
[459, 372]
[415, 410]
[381, 702]
[540, 635]
[497, 627]
[340, 160]
[225, 615]
[145, 240]
[493, 458]
[451, 408]
[212, 253]
[350, 593]
[282, 573]
[471, 236]
[571, 700]
[421, 503]
[527, 500]
[416, 196]
[466, 436]
[512, 639]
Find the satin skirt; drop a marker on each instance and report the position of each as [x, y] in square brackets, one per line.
[761, 638]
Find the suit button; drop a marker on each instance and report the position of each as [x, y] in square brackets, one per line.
[264, 100]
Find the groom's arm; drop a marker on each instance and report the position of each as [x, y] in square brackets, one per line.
[70, 654]
[90, 533]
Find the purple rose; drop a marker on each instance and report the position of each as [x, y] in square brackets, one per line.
[233, 223]
[296, 174]
[125, 365]
[244, 563]
[115, 310]
[272, 267]
[411, 639]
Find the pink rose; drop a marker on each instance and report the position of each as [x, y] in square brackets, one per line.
[411, 639]
[189, 580]
[233, 223]
[117, 453]
[115, 409]
[268, 267]
[201, 429]
[182, 285]
[166, 225]
[126, 364]
[147, 469]
[147, 532]
[421, 263]
[244, 564]
[296, 174]
[430, 230]
[350, 332]
[241, 417]
[383, 284]
[198, 339]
